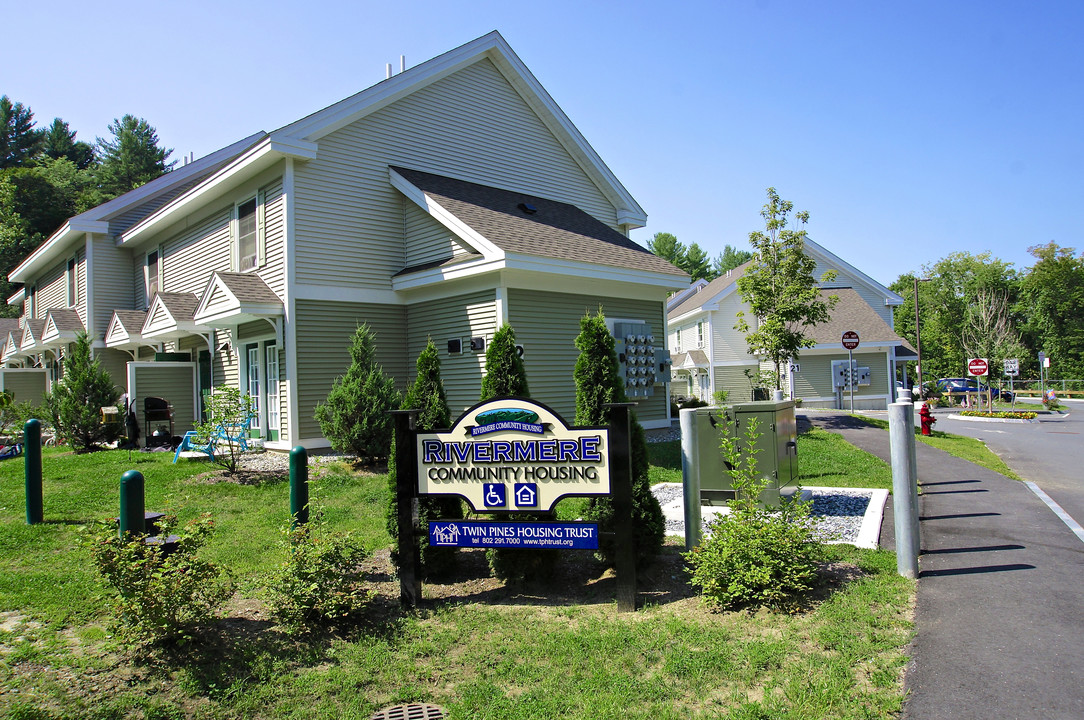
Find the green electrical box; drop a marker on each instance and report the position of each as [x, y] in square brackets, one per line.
[777, 460]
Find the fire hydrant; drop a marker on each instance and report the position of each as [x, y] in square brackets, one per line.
[927, 419]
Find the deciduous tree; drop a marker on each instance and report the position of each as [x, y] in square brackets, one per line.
[780, 289]
[1052, 296]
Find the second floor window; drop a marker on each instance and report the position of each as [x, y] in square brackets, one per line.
[152, 275]
[247, 235]
[73, 283]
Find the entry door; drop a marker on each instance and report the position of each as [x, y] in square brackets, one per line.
[252, 368]
[705, 387]
[272, 383]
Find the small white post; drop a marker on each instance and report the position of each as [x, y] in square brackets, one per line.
[690, 476]
[901, 429]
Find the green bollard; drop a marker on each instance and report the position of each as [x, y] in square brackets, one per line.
[32, 457]
[299, 487]
[132, 504]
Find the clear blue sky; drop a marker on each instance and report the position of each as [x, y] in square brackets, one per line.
[907, 130]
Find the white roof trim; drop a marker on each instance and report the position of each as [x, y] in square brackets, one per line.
[236, 311]
[469, 235]
[891, 298]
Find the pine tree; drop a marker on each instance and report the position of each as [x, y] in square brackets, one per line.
[132, 158]
[77, 399]
[426, 395]
[59, 141]
[356, 417]
[18, 138]
[598, 382]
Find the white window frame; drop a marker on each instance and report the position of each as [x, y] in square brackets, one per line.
[261, 345]
[273, 404]
[700, 334]
[147, 292]
[235, 232]
[72, 277]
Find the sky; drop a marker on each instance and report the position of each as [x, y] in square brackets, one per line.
[908, 130]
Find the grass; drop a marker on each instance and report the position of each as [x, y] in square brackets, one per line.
[841, 657]
[966, 448]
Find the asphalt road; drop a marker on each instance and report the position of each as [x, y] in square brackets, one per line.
[1050, 454]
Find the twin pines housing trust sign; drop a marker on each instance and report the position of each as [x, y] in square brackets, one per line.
[513, 455]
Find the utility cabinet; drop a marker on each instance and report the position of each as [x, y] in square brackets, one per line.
[778, 444]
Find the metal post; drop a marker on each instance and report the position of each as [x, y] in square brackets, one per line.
[406, 491]
[35, 512]
[690, 476]
[621, 490]
[132, 505]
[850, 376]
[299, 487]
[904, 490]
[918, 343]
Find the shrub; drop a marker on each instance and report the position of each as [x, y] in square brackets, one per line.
[754, 555]
[719, 397]
[693, 403]
[76, 400]
[426, 395]
[1001, 414]
[227, 409]
[321, 581]
[162, 597]
[598, 383]
[356, 417]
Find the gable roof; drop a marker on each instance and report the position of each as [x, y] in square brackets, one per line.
[891, 299]
[853, 313]
[494, 47]
[171, 317]
[125, 329]
[62, 326]
[724, 284]
[503, 223]
[232, 298]
[120, 213]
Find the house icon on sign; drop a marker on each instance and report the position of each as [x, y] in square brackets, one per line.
[526, 494]
[446, 534]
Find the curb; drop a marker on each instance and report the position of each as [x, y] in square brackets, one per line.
[972, 418]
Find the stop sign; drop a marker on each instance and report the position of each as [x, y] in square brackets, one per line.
[850, 340]
[977, 367]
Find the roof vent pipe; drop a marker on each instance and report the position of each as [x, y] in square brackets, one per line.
[388, 72]
[402, 63]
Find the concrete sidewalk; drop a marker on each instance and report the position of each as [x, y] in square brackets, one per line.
[1000, 616]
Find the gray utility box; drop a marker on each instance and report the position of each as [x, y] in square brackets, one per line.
[778, 443]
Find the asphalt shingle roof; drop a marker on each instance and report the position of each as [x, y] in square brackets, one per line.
[248, 287]
[554, 230]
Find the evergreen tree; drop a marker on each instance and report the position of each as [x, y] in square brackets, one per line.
[729, 259]
[696, 263]
[76, 400]
[667, 246]
[780, 289]
[505, 372]
[598, 382]
[506, 375]
[356, 416]
[59, 141]
[18, 138]
[426, 395]
[132, 158]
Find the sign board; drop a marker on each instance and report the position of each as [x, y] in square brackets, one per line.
[1012, 367]
[850, 340]
[460, 533]
[513, 454]
[977, 367]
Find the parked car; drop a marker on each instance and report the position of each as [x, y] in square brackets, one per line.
[961, 385]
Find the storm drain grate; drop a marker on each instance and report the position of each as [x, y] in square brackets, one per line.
[413, 711]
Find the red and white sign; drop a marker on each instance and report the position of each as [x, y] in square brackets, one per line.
[850, 340]
[977, 367]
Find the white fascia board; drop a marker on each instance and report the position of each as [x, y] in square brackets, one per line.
[457, 271]
[248, 165]
[592, 271]
[687, 316]
[293, 147]
[340, 293]
[469, 235]
[60, 239]
[239, 314]
[891, 298]
[18, 297]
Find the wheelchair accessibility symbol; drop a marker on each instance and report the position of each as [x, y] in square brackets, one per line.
[494, 495]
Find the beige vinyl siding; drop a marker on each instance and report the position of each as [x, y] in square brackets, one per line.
[226, 366]
[172, 381]
[547, 324]
[24, 385]
[324, 331]
[52, 290]
[732, 379]
[115, 362]
[114, 287]
[273, 271]
[874, 299]
[189, 258]
[258, 329]
[348, 218]
[426, 239]
[728, 344]
[461, 317]
[815, 378]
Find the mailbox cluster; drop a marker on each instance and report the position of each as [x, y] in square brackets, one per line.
[640, 363]
[848, 374]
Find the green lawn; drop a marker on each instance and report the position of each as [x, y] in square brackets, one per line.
[840, 657]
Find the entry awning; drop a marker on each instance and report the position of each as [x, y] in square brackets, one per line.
[692, 360]
[170, 317]
[30, 343]
[126, 330]
[62, 326]
[11, 346]
[231, 299]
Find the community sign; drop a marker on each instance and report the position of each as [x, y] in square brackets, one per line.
[513, 454]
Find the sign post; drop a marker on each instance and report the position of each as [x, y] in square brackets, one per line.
[1012, 371]
[979, 368]
[850, 342]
